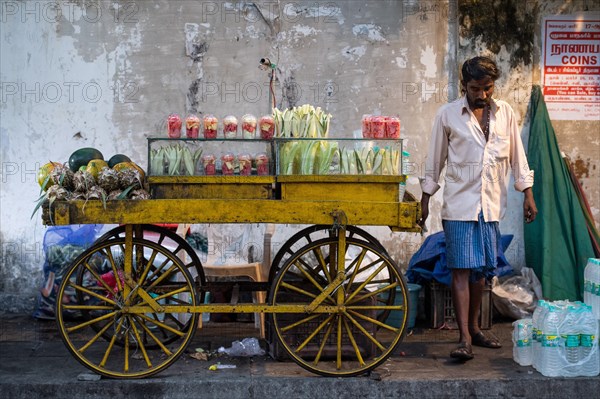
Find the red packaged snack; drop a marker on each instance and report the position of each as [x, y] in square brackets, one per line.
[210, 127]
[392, 128]
[174, 126]
[230, 127]
[227, 163]
[366, 127]
[262, 164]
[192, 127]
[209, 164]
[248, 126]
[267, 127]
[378, 127]
[245, 162]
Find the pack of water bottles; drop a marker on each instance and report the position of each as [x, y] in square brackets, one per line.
[591, 285]
[560, 340]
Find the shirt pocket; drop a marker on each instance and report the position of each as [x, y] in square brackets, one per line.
[502, 146]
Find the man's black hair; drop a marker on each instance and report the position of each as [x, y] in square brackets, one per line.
[478, 68]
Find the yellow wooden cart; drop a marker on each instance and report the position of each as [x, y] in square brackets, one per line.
[129, 305]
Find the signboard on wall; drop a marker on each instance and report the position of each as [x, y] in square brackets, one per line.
[571, 66]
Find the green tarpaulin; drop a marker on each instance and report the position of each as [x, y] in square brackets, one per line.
[557, 243]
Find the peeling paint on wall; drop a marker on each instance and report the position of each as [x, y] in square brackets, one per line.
[370, 32]
[508, 23]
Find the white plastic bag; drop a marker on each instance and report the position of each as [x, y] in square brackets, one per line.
[247, 347]
[517, 296]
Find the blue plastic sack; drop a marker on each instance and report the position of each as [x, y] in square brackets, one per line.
[429, 262]
[62, 245]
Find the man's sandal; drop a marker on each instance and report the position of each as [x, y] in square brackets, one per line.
[487, 342]
[462, 352]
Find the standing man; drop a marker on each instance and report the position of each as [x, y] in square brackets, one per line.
[477, 139]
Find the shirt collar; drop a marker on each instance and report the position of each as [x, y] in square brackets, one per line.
[465, 105]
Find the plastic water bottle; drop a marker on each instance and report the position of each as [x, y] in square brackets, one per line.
[594, 286]
[570, 333]
[589, 354]
[536, 331]
[522, 336]
[587, 282]
[406, 163]
[550, 361]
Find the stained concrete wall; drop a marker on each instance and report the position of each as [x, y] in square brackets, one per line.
[106, 74]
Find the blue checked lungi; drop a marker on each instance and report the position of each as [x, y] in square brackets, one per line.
[472, 245]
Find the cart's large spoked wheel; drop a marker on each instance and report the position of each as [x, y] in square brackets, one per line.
[132, 298]
[168, 239]
[311, 234]
[338, 331]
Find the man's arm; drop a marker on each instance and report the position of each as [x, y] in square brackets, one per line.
[436, 159]
[424, 209]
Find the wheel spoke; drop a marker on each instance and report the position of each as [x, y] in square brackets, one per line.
[321, 262]
[323, 342]
[372, 293]
[90, 322]
[357, 261]
[162, 325]
[364, 283]
[371, 320]
[95, 337]
[140, 343]
[300, 322]
[165, 350]
[111, 344]
[314, 333]
[365, 332]
[353, 342]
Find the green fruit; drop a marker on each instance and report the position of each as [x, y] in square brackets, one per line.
[44, 173]
[118, 158]
[82, 157]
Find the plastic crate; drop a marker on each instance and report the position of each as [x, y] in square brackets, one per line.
[440, 308]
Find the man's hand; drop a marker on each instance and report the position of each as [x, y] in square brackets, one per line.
[529, 209]
[424, 211]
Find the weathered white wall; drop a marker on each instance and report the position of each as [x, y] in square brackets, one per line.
[106, 74]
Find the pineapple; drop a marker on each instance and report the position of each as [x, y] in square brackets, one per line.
[140, 194]
[96, 193]
[114, 195]
[62, 176]
[129, 178]
[79, 195]
[83, 181]
[53, 193]
[108, 179]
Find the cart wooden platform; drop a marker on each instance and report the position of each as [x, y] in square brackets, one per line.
[134, 303]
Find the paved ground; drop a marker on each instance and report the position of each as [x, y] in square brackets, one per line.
[36, 364]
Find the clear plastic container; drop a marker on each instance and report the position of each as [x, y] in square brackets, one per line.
[248, 126]
[392, 127]
[210, 127]
[230, 127]
[209, 164]
[366, 127]
[174, 126]
[267, 127]
[261, 161]
[192, 127]
[245, 164]
[227, 164]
